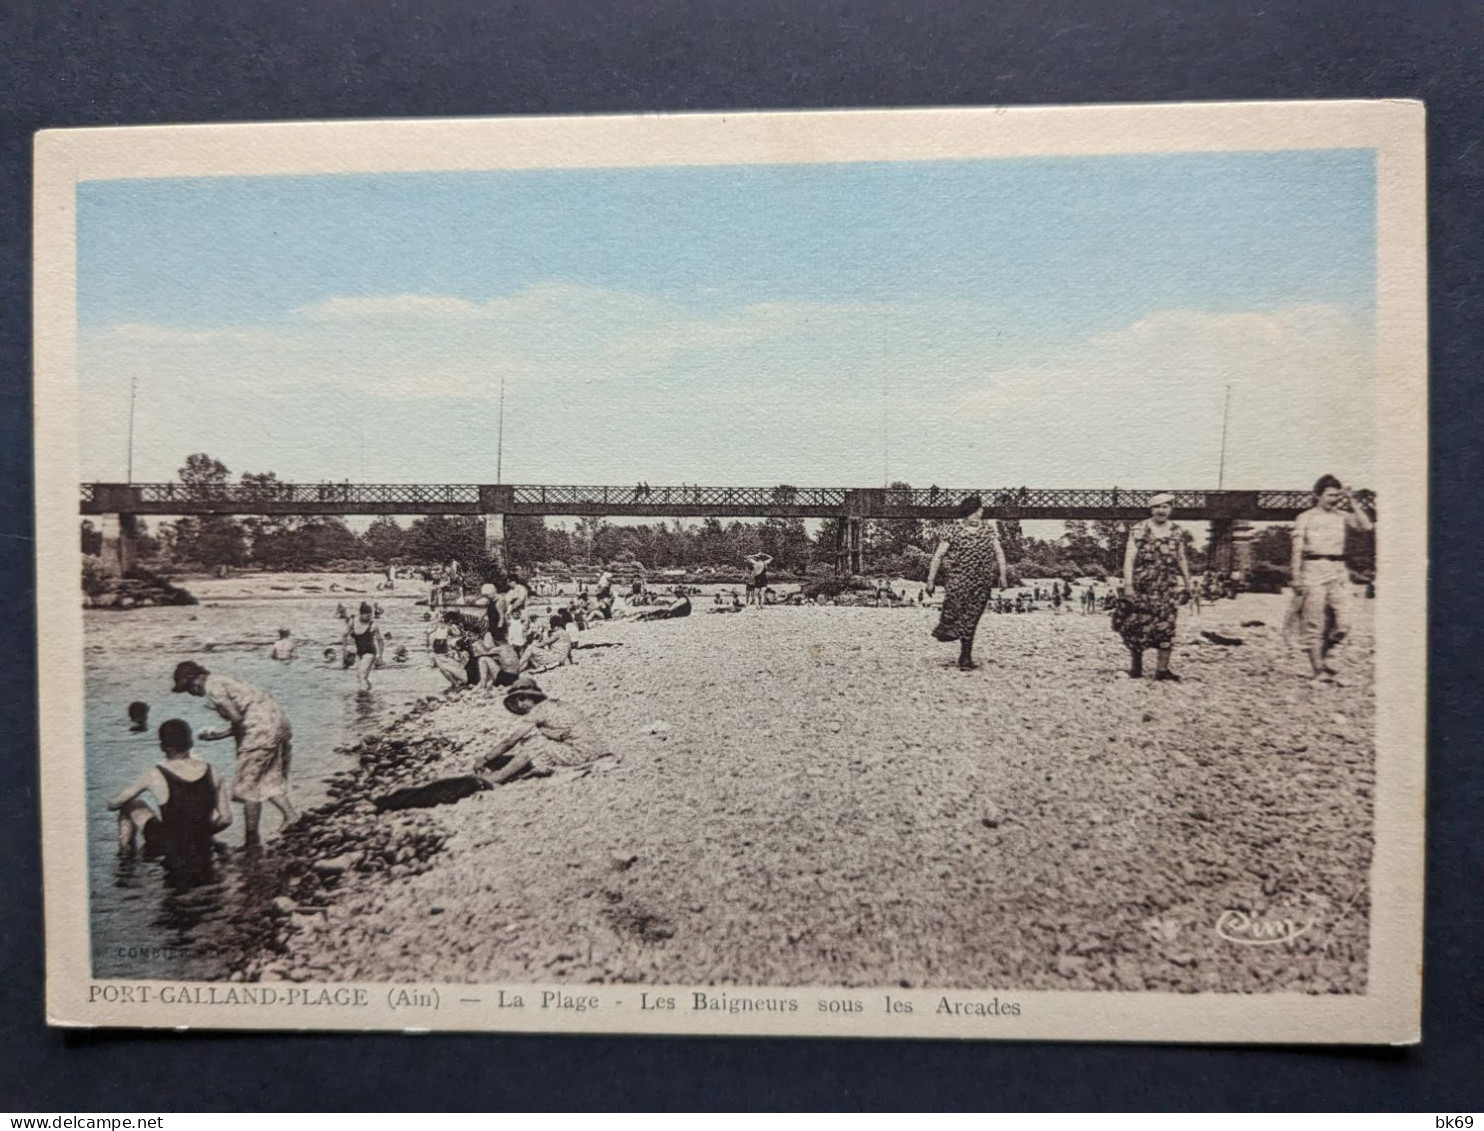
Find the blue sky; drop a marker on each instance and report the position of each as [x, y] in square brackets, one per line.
[1063, 320]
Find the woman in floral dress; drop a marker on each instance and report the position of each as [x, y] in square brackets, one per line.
[972, 549]
[1154, 566]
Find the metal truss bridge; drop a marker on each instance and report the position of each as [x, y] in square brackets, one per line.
[851, 503]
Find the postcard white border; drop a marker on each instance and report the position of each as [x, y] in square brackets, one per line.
[1389, 1012]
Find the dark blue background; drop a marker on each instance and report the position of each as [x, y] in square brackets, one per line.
[128, 62]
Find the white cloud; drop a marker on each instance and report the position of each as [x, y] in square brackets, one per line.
[388, 306]
[1146, 402]
[803, 391]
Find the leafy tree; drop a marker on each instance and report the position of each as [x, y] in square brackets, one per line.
[435, 538]
[211, 541]
[203, 477]
[588, 529]
[1012, 538]
[145, 543]
[385, 540]
[526, 539]
[1273, 544]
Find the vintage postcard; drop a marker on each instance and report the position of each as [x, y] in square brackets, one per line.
[941, 573]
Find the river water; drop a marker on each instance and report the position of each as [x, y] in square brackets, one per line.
[145, 923]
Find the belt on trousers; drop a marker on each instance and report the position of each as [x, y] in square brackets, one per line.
[1324, 557]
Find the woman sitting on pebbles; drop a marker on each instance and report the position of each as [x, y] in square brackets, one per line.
[497, 662]
[448, 650]
[550, 735]
[550, 649]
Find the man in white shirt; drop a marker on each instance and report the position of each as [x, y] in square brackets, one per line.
[1321, 579]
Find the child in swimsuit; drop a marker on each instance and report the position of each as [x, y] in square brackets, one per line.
[193, 800]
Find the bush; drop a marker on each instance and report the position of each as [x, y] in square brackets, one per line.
[1265, 577]
[169, 592]
[95, 578]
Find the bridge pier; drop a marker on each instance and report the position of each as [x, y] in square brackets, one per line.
[120, 550]
[1230, 548]
[494, 538]
[849, 558]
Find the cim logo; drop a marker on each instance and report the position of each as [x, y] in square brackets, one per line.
[1247, 929]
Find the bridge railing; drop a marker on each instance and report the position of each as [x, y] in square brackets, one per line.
[247, 493]
[1031, 498]
[684, 494]
[1285, 500]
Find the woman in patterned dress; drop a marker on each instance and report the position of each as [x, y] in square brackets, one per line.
[972, 547]
[263, 735]
[1154, 565]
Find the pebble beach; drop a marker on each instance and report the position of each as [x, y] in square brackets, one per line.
[817, 796]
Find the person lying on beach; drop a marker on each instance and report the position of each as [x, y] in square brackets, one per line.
[193, 801]
[551, 735]
[283, 647]
[138, 717]
[679, 607]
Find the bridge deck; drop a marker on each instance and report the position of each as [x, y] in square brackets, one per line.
[675, 502]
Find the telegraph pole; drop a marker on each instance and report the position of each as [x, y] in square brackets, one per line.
[133, 389]
[1225, 416]
[500, 441]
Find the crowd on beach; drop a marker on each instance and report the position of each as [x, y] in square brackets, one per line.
[498, 641]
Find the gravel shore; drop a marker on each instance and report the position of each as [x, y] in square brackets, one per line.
[816, 796]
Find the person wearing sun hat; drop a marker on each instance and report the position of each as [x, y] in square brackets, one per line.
[263, 736]
[1154, 565]
[550, 735]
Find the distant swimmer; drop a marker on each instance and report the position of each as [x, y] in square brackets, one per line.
[364, 635]
[283, 647]
[262, 734]
[138, 717]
